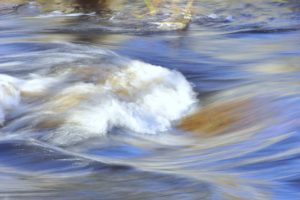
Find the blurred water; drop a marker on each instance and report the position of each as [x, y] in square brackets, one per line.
[242, 59]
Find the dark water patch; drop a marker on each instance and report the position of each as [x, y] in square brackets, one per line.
[266, 31]
[27, 156]
[24, 47]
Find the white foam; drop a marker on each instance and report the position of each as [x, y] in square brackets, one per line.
[138, 97]
[213, 16]
[9, 96]
[62, 14]
[37, 84]
[155, 97]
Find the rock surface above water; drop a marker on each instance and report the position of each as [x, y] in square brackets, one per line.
[154, 16]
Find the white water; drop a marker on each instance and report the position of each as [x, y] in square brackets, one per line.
[89, 101]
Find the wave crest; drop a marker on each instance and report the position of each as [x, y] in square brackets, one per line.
[83, 101]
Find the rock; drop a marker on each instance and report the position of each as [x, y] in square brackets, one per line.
[163, 15]
[218, 119]
[6, 6]
[15, 2]
[70, 6]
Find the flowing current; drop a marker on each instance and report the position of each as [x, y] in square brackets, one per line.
[138, 100]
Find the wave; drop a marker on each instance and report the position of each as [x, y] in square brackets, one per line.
[78, 102]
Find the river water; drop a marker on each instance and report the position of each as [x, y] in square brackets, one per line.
[198, 102]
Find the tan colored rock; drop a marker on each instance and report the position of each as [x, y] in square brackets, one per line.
[12, 1]
[9, 5]
[69, 6]
[217, 119]
[50, 122]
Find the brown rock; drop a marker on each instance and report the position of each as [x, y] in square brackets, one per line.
[12, 1]
[217, 119]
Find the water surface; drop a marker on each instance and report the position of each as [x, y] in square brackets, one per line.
[209, 111]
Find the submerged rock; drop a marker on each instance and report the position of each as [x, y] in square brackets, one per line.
[219, 119]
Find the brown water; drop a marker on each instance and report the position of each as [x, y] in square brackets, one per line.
[242, 59]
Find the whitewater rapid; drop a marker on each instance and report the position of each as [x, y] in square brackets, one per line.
[77, 102]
